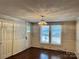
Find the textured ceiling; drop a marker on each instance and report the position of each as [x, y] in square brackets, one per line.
[31, 10]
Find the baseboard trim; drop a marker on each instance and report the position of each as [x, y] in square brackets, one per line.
[60, 51]
[77, 54]
[54, 50]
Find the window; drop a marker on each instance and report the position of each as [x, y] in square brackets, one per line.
[44, 34]
[55, 34]
[28, 27]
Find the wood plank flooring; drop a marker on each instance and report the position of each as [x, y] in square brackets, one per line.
[36, 53]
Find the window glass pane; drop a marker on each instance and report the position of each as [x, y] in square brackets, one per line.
[28, 28]
[44, 34]
[56, 34]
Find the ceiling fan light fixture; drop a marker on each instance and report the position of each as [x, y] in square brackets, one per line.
[42, 22]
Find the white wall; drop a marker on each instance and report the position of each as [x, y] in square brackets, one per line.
[68, 35]
[77, 39]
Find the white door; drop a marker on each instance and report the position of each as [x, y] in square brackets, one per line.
[7, 37]
[28, 34]
[19, 37]
[1, 43]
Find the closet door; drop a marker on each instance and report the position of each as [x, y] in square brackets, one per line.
[1, 43]
[23, 35]
[19, 37]
[28, 34]
[8, 37]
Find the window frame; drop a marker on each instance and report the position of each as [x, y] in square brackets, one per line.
[50, 35]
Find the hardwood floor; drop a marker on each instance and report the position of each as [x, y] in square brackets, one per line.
[36, 53]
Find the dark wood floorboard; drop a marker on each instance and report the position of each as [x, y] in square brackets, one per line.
[36, 53]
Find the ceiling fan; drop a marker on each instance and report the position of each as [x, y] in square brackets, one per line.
[42, 22]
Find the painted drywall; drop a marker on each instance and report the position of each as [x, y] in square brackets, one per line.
[77, 39]
[68, 37]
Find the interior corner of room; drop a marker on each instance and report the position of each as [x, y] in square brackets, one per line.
[21, 33]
